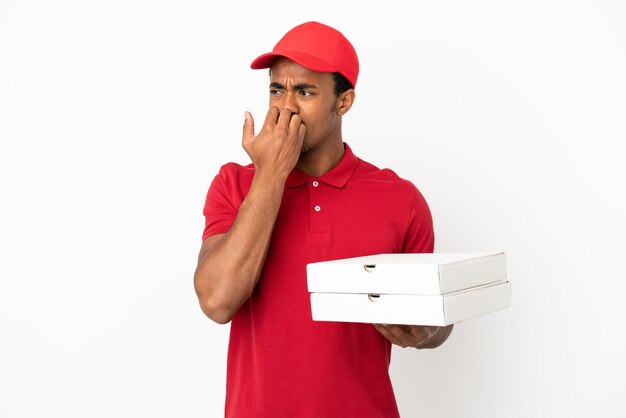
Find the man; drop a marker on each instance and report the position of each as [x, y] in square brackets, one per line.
[305, 198]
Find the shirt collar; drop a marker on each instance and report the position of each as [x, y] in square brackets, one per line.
[337, 176]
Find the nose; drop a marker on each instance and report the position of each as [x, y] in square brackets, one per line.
[289, 102]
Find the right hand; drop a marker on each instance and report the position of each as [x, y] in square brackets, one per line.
[276, 148]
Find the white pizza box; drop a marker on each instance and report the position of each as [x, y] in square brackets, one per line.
[411, 309]
[413, 274]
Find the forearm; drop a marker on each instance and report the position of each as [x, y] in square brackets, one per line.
[229, 270]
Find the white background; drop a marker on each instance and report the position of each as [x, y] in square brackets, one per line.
[116, 115]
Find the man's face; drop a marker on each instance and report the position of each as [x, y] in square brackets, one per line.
[311, 95]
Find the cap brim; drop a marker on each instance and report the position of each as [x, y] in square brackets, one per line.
[305, 60]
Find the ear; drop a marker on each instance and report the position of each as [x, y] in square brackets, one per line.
[345, 101]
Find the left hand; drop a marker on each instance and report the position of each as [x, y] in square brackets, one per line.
[417, 336]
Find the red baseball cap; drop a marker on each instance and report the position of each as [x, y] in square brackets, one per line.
[317, 47]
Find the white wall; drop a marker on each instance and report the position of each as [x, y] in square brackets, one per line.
[115, 115]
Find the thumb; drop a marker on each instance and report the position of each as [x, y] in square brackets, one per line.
[248, 129]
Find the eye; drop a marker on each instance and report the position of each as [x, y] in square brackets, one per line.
[305, 93]
[274, 92]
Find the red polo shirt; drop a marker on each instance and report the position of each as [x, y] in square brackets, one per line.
[282, 364]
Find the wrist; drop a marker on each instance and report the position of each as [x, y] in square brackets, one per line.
[270, 177]
[268, 185]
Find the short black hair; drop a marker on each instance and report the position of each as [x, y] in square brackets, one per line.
[341, 84]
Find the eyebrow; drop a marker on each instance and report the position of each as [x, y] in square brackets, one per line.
[299, 86]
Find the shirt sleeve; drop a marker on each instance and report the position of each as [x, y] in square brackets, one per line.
[220, 207]
[420, 237]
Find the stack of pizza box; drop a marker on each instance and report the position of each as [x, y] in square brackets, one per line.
[413, 289]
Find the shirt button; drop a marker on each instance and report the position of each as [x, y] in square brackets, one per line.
[315, 184]
[317, 208]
